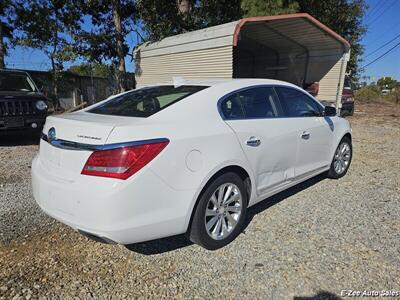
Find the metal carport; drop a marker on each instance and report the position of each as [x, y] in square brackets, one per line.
[295, 48]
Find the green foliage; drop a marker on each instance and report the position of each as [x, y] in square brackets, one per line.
[47, 25]
[112, 21]
[386, 83]
[394, 96]
[6, 28]
[253, 8]
[100, 42]
[161, 18]
[6, 18]
[96, 69]
[368, 93]
[215, 12]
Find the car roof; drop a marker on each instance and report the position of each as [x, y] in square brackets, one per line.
[227, 82]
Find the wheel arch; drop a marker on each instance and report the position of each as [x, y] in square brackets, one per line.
[234, 168]
[348, 135]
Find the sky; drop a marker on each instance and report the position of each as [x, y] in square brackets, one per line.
[382, 21]
[383, 24]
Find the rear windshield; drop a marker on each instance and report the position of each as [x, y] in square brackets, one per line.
[145, 102]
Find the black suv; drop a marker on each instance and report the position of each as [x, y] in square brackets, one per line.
[22, 106]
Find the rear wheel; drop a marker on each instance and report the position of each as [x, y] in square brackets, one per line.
[342, 159]
[220, 213]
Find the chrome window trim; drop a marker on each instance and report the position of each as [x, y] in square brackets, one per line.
[69, 145]
[219, 102]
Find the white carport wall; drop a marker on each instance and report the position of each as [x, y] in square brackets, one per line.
[295, 48]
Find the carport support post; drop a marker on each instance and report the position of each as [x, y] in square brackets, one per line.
[338, 98]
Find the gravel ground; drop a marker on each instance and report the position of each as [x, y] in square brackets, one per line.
[314, 240]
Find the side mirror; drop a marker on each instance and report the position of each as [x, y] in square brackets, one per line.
[329, 111]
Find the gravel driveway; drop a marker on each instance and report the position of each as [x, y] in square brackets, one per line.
[314, 240]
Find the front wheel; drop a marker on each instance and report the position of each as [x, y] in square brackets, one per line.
[220, 213]
[342, 159]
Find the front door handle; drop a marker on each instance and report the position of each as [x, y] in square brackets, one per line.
[253, 141]
[305, 135]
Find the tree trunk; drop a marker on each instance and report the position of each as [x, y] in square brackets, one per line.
[121, 73]
[2, 48]
[55, 83]
[183, 7]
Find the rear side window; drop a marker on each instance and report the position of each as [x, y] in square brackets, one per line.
[145, 102]
[297, 104]
[251, 103]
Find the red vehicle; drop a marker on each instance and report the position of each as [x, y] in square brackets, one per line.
[347, 98]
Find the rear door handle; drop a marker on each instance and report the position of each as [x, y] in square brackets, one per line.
[253, 141]
[305, 135]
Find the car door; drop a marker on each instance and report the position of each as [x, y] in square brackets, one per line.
[315, 134]
[269, 144]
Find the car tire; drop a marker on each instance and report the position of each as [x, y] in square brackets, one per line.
[342, 159]
[220, 212]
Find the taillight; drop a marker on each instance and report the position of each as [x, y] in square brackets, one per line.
[122, 162]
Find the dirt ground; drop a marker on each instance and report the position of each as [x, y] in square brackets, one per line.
[314, 240]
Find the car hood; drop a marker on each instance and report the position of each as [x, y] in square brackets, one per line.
[10, 95]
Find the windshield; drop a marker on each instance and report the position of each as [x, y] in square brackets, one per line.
[16, 82]
[145, 102]
[347, 84]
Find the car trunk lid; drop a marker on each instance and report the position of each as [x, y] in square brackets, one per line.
[80, 130]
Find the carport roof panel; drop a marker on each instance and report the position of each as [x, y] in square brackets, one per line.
[300, 29]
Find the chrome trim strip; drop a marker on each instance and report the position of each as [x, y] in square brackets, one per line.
[68, 145]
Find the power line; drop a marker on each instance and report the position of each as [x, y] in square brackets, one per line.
[386, 32]
[393, 3]
[383, 3]
[371, 11]
[378, 58]
[379, 48]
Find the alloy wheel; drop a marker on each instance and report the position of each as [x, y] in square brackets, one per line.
[223, 211]
[342, 158]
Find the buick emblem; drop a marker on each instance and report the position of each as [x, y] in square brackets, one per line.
[51, 135]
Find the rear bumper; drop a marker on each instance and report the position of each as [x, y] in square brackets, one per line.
[139, 209]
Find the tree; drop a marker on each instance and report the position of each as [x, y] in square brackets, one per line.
[253, 8]
[162, 18]
[6, 28]
[95, 69]
[47, 25]
[344, 17]
[386, 83]
[112, 20]
[215, 12]
[184, 8]
[368, 93]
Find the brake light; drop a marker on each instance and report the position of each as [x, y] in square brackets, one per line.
[122, 162]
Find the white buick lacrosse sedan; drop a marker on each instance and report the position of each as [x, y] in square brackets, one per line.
[167, 160]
